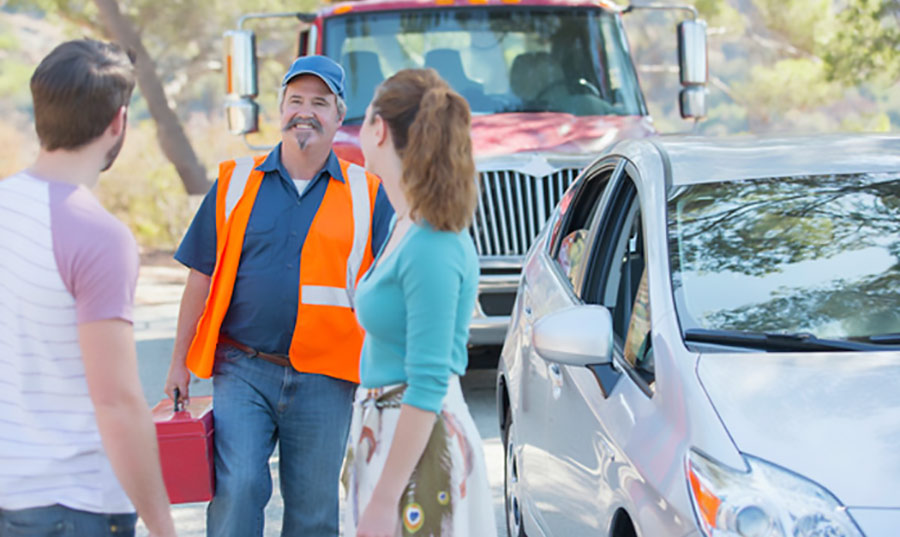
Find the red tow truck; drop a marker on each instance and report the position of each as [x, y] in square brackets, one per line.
[550, 84]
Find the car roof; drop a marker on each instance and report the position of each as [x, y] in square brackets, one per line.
[707, 159]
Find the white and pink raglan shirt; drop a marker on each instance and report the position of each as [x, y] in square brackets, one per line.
[64, 260]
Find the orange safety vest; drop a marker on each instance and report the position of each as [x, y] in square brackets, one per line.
[327, 338]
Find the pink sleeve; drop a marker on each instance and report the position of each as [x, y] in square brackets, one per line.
[96, 255]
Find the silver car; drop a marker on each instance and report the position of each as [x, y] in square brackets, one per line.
[705, 342]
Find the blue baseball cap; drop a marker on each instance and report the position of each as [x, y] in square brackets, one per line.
[323, 67]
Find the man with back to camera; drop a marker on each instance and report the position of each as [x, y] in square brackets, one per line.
[275, 251]
[78, 449]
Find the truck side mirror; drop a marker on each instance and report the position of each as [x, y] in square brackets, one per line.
[241, 110]
[307, 41]
[692, 61]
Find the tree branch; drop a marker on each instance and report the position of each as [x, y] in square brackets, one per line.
[172, 139]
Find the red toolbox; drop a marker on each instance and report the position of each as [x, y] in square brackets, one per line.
[185, 441]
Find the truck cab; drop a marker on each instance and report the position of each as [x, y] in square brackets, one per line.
[550, 83]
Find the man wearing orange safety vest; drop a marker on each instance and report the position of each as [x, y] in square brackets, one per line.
[275, 252]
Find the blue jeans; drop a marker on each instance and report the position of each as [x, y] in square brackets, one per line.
[59, 521]
[257, 403]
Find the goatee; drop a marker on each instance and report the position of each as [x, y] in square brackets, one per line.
[303, 139]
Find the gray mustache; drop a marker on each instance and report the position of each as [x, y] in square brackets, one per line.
[311, 122]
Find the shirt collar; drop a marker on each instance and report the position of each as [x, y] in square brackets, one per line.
[273, 164]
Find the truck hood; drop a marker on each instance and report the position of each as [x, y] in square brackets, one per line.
[831, 417]
[505, 134]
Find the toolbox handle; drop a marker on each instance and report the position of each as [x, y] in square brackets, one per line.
[179, 406]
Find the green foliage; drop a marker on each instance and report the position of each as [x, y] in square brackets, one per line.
[16, 73]
[144, 191]
[77, 14]
[718, 14]
[792, 65]
[867, 46]
[803, 24]
[8, 41]
[879, 122]
[788, 84]
[184, 38]
[14, 82]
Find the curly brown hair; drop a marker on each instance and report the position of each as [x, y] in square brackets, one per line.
[429, 124]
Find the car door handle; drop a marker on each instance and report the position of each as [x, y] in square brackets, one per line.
[555, 372]
[556, 379]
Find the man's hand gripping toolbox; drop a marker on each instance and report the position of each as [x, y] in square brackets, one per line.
[185, 436]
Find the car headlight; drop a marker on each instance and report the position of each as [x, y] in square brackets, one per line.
[766, 501]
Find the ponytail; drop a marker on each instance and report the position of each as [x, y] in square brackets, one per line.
[429, 124]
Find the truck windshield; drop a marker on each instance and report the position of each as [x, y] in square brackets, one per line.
[505, 59]
[814, 255]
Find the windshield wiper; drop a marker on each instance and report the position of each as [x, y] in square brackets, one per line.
[883, 339]
[778, 341]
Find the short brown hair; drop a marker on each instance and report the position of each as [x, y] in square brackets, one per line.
[77, 91]
[429, 124]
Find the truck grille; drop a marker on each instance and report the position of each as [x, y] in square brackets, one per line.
[513, 208]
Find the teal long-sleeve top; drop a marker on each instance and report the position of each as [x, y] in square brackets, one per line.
[415, 306]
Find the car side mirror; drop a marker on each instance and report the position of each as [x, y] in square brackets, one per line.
[578, 336]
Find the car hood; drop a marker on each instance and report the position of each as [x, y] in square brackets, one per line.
[505, 134]
[831, 417]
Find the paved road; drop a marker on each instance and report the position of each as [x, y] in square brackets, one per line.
[159, 290]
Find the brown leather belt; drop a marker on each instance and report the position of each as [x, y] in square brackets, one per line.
[277, 359]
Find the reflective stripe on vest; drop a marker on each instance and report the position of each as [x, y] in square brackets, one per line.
[316, 295]
[362, 211]
[320, 295]
[242, 168]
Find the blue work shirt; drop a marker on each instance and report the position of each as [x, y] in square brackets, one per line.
[263, 310]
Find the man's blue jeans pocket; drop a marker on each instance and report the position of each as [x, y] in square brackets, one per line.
[60, 521]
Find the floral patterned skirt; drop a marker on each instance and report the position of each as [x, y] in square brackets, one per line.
[448, 493]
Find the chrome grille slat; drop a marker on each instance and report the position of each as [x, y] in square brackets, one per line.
[513, 230]
[541, 201]
[488, 199]
[559, 185]
[481, 225]
[513, 208]
[529, 205]
[502, 215]
[526, 237]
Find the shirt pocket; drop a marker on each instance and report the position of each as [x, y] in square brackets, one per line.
[262, 221]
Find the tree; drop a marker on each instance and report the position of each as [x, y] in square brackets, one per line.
[781, 65]
[867, 46]
[172, 139]
[178, 47]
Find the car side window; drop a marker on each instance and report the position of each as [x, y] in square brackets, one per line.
[570, 256]
[570, 248]
[617, 279]
[638, 351]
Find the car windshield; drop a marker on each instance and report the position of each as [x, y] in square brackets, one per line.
[813, 254]
[511, 59]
